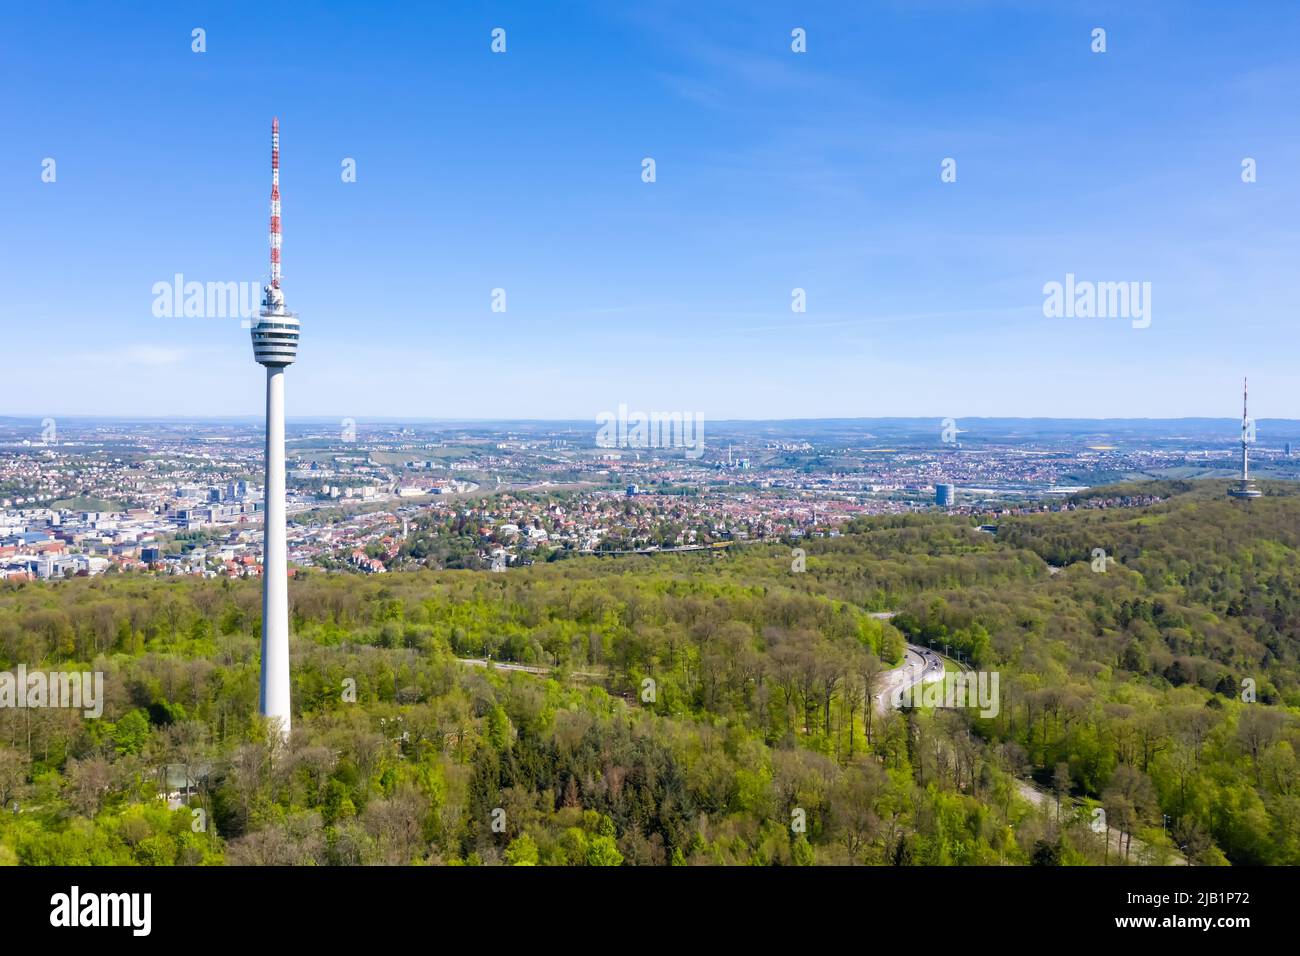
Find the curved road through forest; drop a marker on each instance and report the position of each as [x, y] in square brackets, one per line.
[919, 664]
[922, 664]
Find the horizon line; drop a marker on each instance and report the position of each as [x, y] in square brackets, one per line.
[380, 419]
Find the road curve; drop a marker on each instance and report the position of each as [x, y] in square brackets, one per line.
[920, 664]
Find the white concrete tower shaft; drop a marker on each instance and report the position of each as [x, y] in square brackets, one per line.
[275, 562]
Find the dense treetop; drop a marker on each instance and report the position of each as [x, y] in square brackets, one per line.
[694, 708]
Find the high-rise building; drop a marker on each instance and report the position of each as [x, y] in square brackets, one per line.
[1245, 487]
[275, 346]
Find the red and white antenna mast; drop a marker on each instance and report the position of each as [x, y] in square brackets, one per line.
[275, 203]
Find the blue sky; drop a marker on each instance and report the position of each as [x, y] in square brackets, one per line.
[775, 170]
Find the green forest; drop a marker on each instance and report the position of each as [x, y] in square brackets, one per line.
[713, 708]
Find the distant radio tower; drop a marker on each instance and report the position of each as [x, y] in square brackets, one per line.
[275, 345]
[1245, 487]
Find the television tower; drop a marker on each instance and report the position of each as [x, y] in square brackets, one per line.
[275, 345]
[1245, 487]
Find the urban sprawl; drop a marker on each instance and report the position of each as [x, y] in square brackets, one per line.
[166, 498]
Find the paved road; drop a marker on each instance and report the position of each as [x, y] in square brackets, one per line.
[919, 664]
[504, 666]
[1041, 799]
[526, 668]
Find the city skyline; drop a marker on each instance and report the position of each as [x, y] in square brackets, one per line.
[924, 297]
